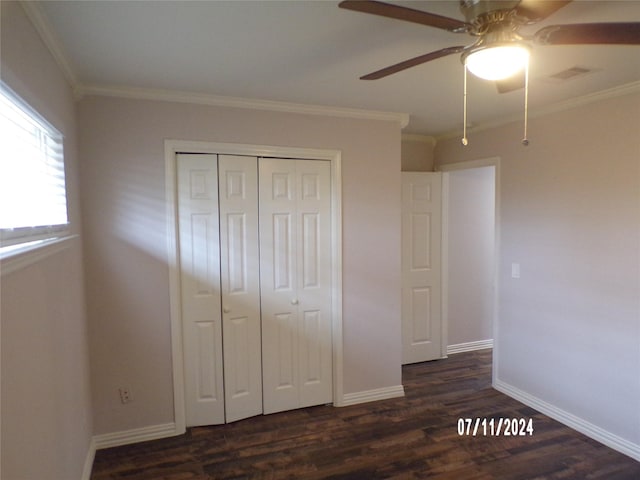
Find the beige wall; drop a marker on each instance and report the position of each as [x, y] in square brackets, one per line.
[417, 153]
[123, 178]
[568, 329]
[46, 404]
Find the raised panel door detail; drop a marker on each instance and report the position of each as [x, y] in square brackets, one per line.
[201, 254]
[420, 194]
[420, 314]
[310, 249]
[236, 185]
[236, 253]
[199, 186]
[310, 187]
[312, 347]
[239, 378]
[420, 241]
[282, 261]
[281, 186]
[207, 387]
[286, 333]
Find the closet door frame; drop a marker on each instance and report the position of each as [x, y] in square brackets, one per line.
[174, 147]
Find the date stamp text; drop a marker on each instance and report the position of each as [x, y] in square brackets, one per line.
[495, 427]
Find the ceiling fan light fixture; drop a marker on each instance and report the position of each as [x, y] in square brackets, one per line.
[497, 62]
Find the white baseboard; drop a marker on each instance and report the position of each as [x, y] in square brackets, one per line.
[372, 395]
[136, 435]
[590, 430]
[88, 461]
[469, 346]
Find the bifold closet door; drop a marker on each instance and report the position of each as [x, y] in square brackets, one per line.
[198, 224]
[295, 278]
[218, 229]
[238, 186]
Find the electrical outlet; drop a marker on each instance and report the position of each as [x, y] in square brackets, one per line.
[125, 395]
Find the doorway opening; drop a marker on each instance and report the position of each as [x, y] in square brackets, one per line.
[470, 239]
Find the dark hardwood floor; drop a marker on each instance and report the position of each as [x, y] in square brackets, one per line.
[414, 437]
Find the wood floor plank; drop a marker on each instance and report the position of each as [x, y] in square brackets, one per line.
[413, 437]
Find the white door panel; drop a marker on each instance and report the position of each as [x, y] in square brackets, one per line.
[240, 286]
[296, 283]
[200, 288]
[421, 271]
[255, 254]
[278, 292]
[314, 281]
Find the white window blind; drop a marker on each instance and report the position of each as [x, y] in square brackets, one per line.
[33, 200]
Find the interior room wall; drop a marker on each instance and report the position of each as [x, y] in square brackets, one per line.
[471, 245]
[46, 404]
[568, 329]
[417, 153]
[123, 175]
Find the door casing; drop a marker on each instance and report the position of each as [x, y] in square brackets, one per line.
[172, 148]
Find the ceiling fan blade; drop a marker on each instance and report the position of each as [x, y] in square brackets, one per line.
[511, 84]
[412, 62]
[406, 14]
[623, 33]
[536, 10]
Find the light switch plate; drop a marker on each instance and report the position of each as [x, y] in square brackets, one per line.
[515, 270]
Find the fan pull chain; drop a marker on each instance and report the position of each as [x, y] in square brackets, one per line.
[465, 142]
[525, 140]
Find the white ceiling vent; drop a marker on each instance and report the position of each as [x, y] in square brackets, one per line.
[571, 73]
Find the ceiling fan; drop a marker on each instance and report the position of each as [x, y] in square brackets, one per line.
[499, 51]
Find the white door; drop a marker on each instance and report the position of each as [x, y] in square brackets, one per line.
[421, 267]
[200, 288]
[314, 281]
[295, 280]
[218, 234]
[240, 279]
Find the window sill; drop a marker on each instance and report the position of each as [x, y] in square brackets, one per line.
[21, 257]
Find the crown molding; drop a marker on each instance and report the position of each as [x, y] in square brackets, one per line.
[239, 102]
[34, 12]
[39, 20]
[618, 91]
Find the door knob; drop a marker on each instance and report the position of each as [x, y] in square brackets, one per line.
[294, 301]
[226, 310]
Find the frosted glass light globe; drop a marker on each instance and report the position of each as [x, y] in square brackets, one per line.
[497, 63]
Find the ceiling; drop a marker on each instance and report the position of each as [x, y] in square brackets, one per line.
[312, 52]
